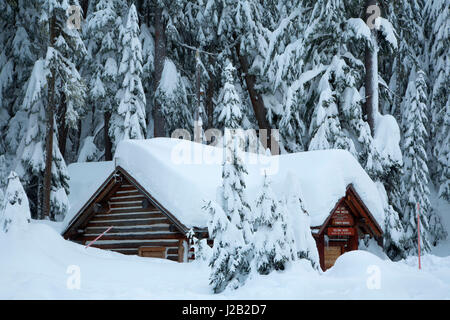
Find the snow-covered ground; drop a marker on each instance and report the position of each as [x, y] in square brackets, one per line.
[40, 264]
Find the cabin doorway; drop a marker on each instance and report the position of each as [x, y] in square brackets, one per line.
[336, 246]
[331, 253]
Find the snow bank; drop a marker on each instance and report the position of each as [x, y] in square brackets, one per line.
[39, 264]
[181, 174]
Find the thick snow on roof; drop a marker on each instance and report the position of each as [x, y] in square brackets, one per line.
[181, 175]
[85, 179]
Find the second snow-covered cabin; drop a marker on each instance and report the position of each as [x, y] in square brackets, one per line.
[153, 192]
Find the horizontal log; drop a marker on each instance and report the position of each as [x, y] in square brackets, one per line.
[127, 185]
[129, 223]
[132, 245]
[126, 188]
[120, 214]
[155, 236]
[126, 194]
[106, 217]
[127, 199]
[136, 204]
[99, 230]
[129, 210]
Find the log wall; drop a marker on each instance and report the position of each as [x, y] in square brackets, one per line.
[135, 223]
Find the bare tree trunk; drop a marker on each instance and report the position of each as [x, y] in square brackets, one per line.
[257, 102]
[50, 128]
[209, 107]
[107, 139]
[84, 6]
[63, 128]
[371, 107]
[256, 99]
[49, 148]
[39, 210]
[160, 56]
[76, 140]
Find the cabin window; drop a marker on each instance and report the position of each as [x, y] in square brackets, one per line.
[152, 252]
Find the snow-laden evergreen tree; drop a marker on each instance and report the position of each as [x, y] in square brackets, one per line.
[54, 90]
[407, 17]
[273, 249]
[165, 19]
[228, 109]
[88, 151]
[7, 17]
[335, 67]
[230, 225]
[129, 122]
[3, 171]
[283, 65]
[15, 209]
[415, 182]
[437, 25]
[443, 153]
[148, 68]
[202, 251]
[103, 44]
[21, 45]
[31, 152]
[229, 262]
[394, 240]
[305, 244]
[3, 177]
[241, 31]
[171, 96]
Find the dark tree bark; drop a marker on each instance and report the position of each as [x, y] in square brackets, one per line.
[107, 139]
[209, 107]
[160, 56]
[371, 78]
[77, 140]
[256, 99]
[257, 102]
[63, 129]
[84, 7]
[50, 129]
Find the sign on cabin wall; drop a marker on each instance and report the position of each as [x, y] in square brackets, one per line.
[342, 217]
[341, 231]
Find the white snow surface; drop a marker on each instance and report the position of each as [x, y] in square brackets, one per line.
[181, 175]
[85, 179]
[48, 271]
[387, 137]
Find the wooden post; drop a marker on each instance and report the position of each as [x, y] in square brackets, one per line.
[180, 251]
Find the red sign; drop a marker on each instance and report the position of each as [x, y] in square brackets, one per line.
[341, 231]
[342, 221]
[342, 217]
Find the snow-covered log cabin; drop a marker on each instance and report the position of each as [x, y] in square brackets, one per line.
[153, 192]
